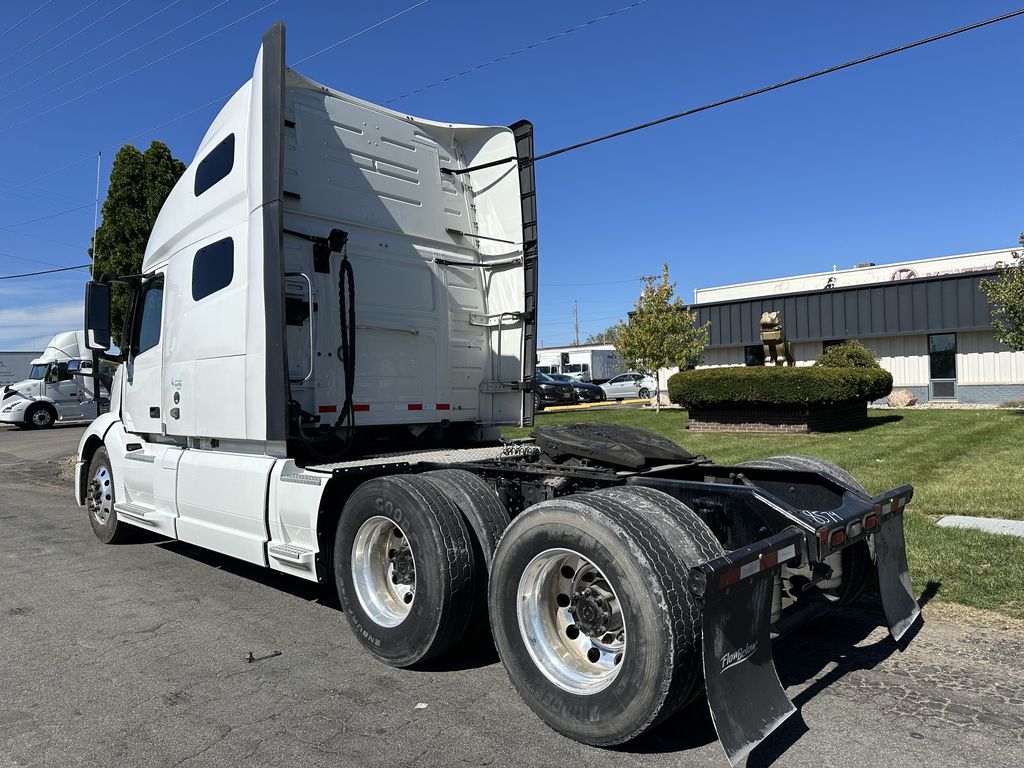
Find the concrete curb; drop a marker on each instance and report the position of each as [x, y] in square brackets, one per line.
[987, 524]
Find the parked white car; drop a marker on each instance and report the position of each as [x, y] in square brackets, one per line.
[630, 384]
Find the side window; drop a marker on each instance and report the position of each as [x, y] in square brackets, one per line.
[212, 268]
[216, 165]
[62, 372]
[151, 306]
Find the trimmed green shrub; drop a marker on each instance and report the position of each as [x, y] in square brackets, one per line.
[849, 354]
[760, 387]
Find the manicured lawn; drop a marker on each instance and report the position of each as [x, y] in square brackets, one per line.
[968, 462]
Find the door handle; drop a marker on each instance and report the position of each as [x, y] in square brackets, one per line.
[154, 412]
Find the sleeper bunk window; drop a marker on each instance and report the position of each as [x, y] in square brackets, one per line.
[212, 268]
[216, 165]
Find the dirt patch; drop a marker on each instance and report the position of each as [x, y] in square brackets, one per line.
[66, 468]
[966, 616]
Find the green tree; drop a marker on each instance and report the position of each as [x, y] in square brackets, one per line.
[607, 336]
[661, 332]
[1006, 296]
[139, 184]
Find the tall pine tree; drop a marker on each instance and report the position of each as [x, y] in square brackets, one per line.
[139, 184]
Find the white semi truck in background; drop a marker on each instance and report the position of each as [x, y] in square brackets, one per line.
[336, 316]
[60, 387]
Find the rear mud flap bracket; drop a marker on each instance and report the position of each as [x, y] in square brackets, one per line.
[744, 693]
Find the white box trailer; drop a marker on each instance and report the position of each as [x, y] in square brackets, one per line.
[336, 315]
[58, 386]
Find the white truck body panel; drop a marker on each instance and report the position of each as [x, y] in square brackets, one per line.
[73, 398]
[225, 346]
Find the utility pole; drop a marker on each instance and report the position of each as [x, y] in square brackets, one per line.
[576, 323]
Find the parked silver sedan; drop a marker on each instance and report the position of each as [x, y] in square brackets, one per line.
[630, 384]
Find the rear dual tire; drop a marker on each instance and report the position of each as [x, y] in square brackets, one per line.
[591, 615]
[411, 557]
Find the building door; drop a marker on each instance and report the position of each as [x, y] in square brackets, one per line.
[942, 364]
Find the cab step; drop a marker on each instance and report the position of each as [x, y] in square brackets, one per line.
[292, 554]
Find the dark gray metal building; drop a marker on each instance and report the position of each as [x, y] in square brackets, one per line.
[934, 334]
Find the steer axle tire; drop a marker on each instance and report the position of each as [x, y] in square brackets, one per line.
[592, 618]
[403, 568]
[99, 502]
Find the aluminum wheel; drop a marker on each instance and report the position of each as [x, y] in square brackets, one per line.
[571, 622]
[41, 417]
[101, 495]
[383, 571]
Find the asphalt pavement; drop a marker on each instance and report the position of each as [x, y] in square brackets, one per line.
[136, 655]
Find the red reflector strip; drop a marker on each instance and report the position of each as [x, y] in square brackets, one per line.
[362, 407]
[328, 409]
[415, 406]
[444, 406]
[766, 562]
[729, 577]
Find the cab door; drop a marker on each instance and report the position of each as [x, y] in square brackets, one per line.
[143, 369]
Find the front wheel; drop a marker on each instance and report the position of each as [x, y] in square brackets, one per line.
[644, 393]
[99, 501]
[40, 416]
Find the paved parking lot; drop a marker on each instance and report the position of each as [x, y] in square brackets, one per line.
[136, 655]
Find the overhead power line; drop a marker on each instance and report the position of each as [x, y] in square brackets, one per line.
[65, 41]
[135, 71]
[785, 83]
[95, 48]
[360, 32]
[191, 112]
[50, 216]
[24, 19]
[36, 39]
[45, 272]
[524, 49]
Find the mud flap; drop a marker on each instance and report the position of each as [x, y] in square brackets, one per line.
[744, 693]
[898, 602]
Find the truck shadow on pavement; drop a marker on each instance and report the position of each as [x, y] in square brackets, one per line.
[801, 661]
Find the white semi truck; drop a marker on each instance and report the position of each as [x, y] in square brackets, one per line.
[335, 317]
[60, 387]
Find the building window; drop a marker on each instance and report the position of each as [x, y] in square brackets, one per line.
[212, 268]
[753, 355]
[832, 343]
[942, 364]
[216, 165]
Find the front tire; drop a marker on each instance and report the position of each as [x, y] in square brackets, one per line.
[99, 501]
[403, 569]
[40, 416]
[644, 393]
[592, 618]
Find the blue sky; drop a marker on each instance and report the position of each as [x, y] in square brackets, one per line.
[913, 156]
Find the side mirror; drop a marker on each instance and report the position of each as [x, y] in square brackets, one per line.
[74, 366]
[97, 315]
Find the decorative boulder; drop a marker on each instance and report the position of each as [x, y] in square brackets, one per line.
[902, 398]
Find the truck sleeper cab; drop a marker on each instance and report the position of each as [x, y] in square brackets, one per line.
[335, 317]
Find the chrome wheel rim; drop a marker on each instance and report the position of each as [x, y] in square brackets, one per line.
[383, 571]
[41, 417]
[571, 621]
[101, 495]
